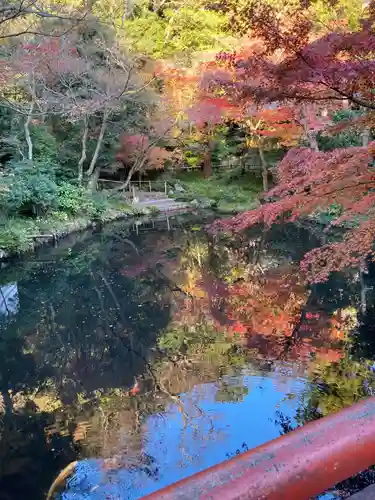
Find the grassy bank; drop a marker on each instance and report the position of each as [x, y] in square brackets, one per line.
[74, 209]
[229, 193]
[21, 234]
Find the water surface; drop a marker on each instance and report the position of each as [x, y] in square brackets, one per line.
[151, 351]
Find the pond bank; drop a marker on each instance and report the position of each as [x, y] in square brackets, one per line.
[53, 230]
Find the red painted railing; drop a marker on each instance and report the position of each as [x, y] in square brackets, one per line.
[297, 466]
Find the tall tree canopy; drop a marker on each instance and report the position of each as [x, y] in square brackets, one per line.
[326, 72]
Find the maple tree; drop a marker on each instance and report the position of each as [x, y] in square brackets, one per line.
[270, 128]
[324, 13]
[197, 112]
[268, 124]
[206, 114]
[321, 73]
[290, 62]
[83, 83]
[310, 181]
[280, 124]
[139, 152]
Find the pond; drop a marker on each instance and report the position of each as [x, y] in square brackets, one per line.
[149, 351]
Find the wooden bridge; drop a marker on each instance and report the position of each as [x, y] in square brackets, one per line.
[149, 194]
[163, 222]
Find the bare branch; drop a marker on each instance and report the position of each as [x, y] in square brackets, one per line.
[32, 13]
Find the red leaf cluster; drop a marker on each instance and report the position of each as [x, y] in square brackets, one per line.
[189, 98]
[211, 111]
[312, 73]
[134, 147]
[311, 181]
[295, 65]
[49, 56]
[280, 123]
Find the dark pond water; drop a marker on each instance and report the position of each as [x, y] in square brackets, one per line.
[149, 352]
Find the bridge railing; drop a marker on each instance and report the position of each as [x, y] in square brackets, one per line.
[297, 466]
[158, 186]
[146, 186]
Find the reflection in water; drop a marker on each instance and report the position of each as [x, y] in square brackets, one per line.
[8, 299]
[148, 355]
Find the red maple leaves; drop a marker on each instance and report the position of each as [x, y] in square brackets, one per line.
[211, 111]
[49, 55]
[287, 61]
[311, 181]
[139, 148]
[314, 76]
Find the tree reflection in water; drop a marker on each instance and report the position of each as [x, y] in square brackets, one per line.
[126, 331]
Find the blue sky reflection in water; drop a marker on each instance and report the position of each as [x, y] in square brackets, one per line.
[221, 430]
[149, 352]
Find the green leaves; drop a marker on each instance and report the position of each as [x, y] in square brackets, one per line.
[70, 198]
[180, 31]
[30, 189]
[45, 145]
[15, 234]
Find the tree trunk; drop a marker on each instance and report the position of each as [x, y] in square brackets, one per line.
[27, 130]
[89, 5]
[310, 136]
[91, 171]
[362, 272]
[7, 403]
[93, 180]
[125, 13]
[365, 137]
[137, 167]
[84, 150]
[264, 170]
[207, 164]
[312, 140]
[207, 157]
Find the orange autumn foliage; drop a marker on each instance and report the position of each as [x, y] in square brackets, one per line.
[136, 147]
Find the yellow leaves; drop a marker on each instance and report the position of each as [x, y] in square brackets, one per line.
[252, 142]
[175, 132]
[47, 402]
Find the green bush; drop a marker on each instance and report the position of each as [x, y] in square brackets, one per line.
[74, 200]
[15, 234]
[345, 139]
[71, 198]
[46, 147]
[99, 205]
[30, 189]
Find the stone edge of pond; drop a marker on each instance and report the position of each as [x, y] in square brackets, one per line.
[77, 226]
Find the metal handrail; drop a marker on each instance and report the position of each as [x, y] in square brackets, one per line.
[297, 466]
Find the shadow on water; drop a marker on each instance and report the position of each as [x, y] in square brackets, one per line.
[151, 351]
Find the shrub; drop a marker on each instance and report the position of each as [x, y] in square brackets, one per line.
[15, 234]
[46, 147]
[30, 189]
[71, 198]
[74, 200]
[99, 204]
